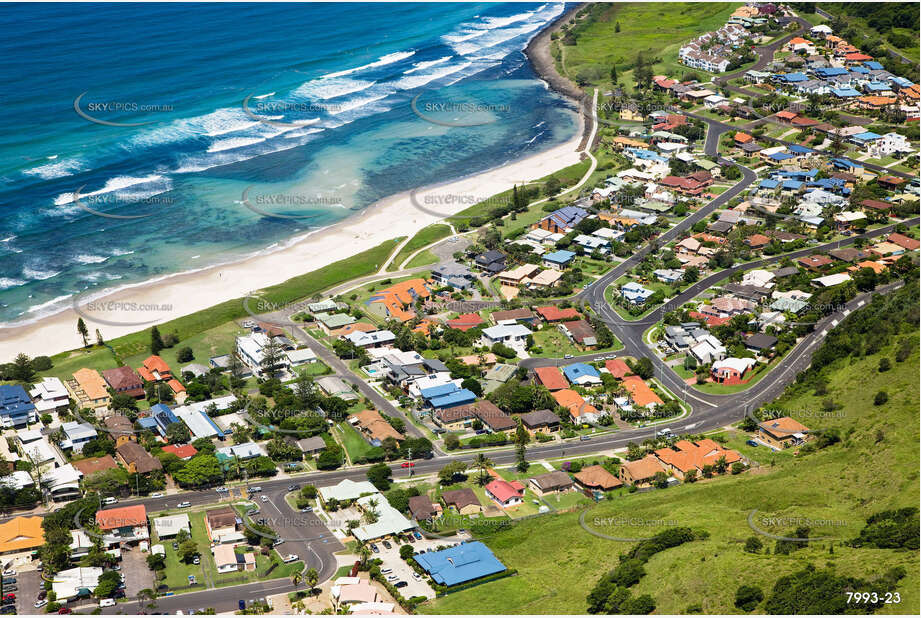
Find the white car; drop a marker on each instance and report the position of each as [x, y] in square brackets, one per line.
[392, 578]
[265, 498]
[417, 577]
[158, 494]
[107, 603]
[40, 603]
[184, 505]
[9, 573]
[291, 558]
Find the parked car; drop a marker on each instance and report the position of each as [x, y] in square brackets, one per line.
[584, 438]
[278, 542]
[158, 494]
[751, 443]
[255, 489]
[107, 603]
[265, 498]
[392, 578]
[184, 505]
[196, 560]
[175, 545]
[417, 577]
[291, 558]
[307, 509]
[567, 356]
[400, 584]
[9, 573]
[65, 610]
[417, 535]
[9, 580]
[387, 544]
[375, 548]
[110, 500]
[40, 603]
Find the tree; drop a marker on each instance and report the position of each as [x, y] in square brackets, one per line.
[473, 385]
[482, 463]
[312, 578]
[22, 368]
[884, 365]
[880, 398]
[156, 341]
[177, 433]
[748, 597]
[407, 551]
[108, 584]
[643, 368]
[185, 355]
[613, 73]
[753, 545]
[451, 471]
[380, 476]
[84, 331]
[271, 357]
[452, 441]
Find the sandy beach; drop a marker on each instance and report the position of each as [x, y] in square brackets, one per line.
[139, 307]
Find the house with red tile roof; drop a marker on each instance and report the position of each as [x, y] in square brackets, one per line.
[125, 524]
[757, 241]
[742, 138]
[125, 381]
[814, 262]
[551, 377]
[466, 321]
[182, 451]
[617, 368]
[396, 301]
[906, 242]
[155, 369]
[640, 393]
[890, 182]
[552, 313]
[691, 185]
[685, 456]
[709, 320]
[505, 493]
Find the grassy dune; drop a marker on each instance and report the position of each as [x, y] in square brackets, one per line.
[874, 468]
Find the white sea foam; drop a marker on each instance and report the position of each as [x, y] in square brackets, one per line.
[419, 66]
[58, 169]
[90, 259]
[382, 61]
[416, 81]
[234, 142]
[264, 96]
[39, 275]
[331, 88]
[159, 184]
[9, 282]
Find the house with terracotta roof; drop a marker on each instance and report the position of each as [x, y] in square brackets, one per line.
[462, 501]
[89, 389]
[579, 410]
[125, 381]
[505, 493]
[374, 427]
[685, 456]
[692, 185]
[94, 465]
[640, 393]
[21, 534]
[742, 138]
[396, 301]
[783, 432]
[814, 262]
[182, 451]
[463, 416]
[155, 369]
[757, 241]
[552, 313]
[641, 472]
[580, 332]
[617, 367]
[906, 242]
[466, 321]
[596, 478]
[124, 524]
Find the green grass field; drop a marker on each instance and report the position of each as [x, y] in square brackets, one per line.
[423, 259]
[873, 469]
[354, 443]
[654, 29]
[423, 237]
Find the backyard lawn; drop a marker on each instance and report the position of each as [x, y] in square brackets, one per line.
[353, 442]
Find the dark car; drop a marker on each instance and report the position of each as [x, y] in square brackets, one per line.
[400, 585]
[387, 544]
[375, 548]
[292, 487]
[241, 604]
[751, 443]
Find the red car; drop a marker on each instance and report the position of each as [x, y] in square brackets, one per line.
[407, 464]
[64, 610]
[9, 597]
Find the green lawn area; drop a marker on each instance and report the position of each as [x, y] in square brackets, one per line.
[653, 29]
[512, 474]
[871, 470]
[423, 237]
[423, 259]
[66, 363]
[212, 342]
[727, 389]
[177, 572]
[356, 446]
[553, 343]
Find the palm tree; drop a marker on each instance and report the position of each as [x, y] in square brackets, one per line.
[482, 463]
[364, 552]
[297, 579]
[312, 578]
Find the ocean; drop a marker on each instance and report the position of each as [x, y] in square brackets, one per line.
[141, 140]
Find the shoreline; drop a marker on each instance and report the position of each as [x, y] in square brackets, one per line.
[137, 307]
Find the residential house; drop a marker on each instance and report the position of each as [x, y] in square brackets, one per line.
[512, 335]
[492, 261]
[551, 483]
[169, 526]
[453, 275]
[223, 525]
[641, 472]
[135, 459]
[581, 374]
[760, 343]
[21, 534]
[635, 293]
[562, 220]
[596, 478]
[462, 501]
[558, 260]
[731, 370]
[580, 410]
[540, 421]
[465, 321]
[551, 378]
[49, 395]
[686, 456]
[16, 409]
[396, 301]
[459, 564]
[580, 332]
[504, 493]
[782, 432]
[374, 427]
[125, 381]
[640, 394]
[89, 390]
[553, 313]
[76, 434]
[126, 524]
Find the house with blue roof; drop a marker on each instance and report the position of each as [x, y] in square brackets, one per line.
[833, 185]
[792, 78]
[860, 71]
[783, 174]
[791, 186]
[847, 165]
[845, 93]
[563, 220]
[780, 157]
[768, 184]
[558, 260]
[799, 150]
[862, 139]
[160, 418]
[635, 293]
[581, 374]
[901, 82]
[640, 154]
[830, 71]
[877, 88]
[873, 65]
[459, 564]
[16, 408]
[447, 396]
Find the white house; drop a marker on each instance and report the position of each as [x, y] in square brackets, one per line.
[49, 395]
[708, 350]
[513, 335]
[76, 435]
[251, 350]
[759, 277]
[889, 144]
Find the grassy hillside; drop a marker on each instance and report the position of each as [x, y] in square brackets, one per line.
[651, 28]
[873, 468]
[424, 237]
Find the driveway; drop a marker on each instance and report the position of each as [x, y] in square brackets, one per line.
[135, 572]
